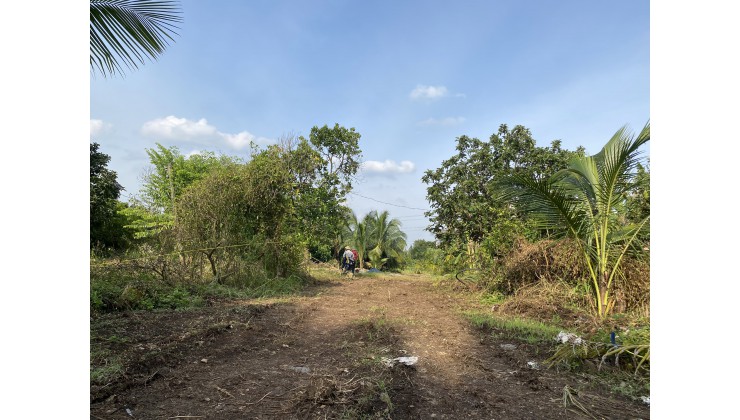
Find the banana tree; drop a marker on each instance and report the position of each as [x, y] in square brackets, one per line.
[583, 201]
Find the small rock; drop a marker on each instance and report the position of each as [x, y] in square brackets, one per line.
[204, 360]
[301, 369]
[508, 346]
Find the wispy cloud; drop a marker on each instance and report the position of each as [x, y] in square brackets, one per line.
[98, 127]
[182, 129]
[442, 121]
[388, 167]
[428, 92]
[432, 92]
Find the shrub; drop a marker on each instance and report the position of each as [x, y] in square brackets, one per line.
[549, 261]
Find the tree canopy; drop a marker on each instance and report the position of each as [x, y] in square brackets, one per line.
[466, 205]
[172, 172]
[104, 192]
[323, 168]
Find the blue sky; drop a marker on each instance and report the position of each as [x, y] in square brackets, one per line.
[496, 55]
[409, 76]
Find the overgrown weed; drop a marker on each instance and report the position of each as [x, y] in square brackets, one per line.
[121, 287]
[528, 330]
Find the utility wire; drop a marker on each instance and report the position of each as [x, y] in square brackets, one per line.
[390, 204]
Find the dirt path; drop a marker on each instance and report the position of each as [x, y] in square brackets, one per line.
[321, 356]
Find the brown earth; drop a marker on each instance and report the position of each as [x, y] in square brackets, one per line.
[320, 356]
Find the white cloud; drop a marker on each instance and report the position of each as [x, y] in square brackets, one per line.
[242, 140]
[428, 92]
[200, 131]
[174, 128]
[443, 121]
[388, 167]
[98, 127]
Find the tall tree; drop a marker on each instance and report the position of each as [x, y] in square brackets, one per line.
[419, 248]
[586, 202]
[125, 32]
[104, 193]
[357, 232]
[323, 166]
[462, 192]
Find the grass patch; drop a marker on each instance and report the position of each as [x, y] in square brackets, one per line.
[492, 298]
[105, 367]
[376, 329]
[530, 331]
[624, 368]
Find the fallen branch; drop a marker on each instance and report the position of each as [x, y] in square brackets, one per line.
[258, 401]
[224, 391]
[569, 399]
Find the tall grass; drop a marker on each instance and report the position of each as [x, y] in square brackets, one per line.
[531, 331]
[168, 283]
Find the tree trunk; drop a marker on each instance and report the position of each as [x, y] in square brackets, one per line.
[603, 281]
[209, 255]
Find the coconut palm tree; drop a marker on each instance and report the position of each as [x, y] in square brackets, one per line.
[583, 202]
[356, 234]
[361, 240]
[125, 32]
[387, 239]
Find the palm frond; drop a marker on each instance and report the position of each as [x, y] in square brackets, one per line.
[617, 162]
[549, 207]
[126, 32]
[587, 201]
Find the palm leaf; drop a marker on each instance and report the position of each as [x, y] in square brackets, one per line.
[549, 207]
[126, 32]
[586, 201]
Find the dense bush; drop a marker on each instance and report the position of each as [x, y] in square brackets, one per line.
[135, 286]
[555, 261]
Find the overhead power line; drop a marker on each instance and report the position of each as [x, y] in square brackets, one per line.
[390, 204]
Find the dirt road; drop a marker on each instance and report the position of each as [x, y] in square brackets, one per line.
[327, 355]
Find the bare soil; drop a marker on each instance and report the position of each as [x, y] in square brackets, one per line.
[321, 356]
